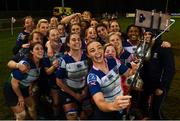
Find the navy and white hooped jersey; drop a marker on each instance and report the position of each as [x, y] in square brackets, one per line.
[125, 57]
[129, 47]
[73, 72]
[109, 84]
[47, 61]
[26, 79]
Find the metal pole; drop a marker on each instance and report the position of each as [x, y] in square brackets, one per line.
[167, 3]
[12, 31]
[62, 3]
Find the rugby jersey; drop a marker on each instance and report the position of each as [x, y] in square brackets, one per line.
[109, 84]
[72, 72]
[26, 79]
[127, 45]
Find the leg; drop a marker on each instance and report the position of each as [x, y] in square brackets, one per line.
[31, 106]
[56, 102]
[19, 112]
[157, 104]
[71, 111]
[87, 109]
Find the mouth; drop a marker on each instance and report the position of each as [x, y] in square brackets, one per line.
[98, 57]
[133, 37]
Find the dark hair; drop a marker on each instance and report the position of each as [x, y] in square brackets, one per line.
[132, 25]
[90, 43]
[70, 27]
[101, 25]
[67, 41]
[32, 45]
[89, 61]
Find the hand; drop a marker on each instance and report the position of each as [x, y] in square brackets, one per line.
[78, 14]
[26, 45]
[21, 101]
[55, 63]
[122, 102]
[23, 36]
[78, 97]
[158, 92]
[23, 68]
[134, 68]
[33, 89]
[166, 44]
[49, 49]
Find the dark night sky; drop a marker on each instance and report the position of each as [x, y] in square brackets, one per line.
[92, 5]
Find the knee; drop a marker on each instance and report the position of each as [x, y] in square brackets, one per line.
[32, 112]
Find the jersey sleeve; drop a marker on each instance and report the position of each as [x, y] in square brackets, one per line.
[93, 84]
[61, 70]
[122, 69]
[17, 74]
[46, 62]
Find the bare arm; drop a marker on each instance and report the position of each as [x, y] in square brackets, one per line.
[13, 65]
[66, 89]
[67, 19]
[119, 103]
[132, 70]
[16, 89]
[53, 67]
[49, 49]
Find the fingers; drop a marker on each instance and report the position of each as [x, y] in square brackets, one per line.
[21, 103]
[56, 63]
[123, 101]
[23, 68]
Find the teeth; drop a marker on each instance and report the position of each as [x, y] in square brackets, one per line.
[133, 36]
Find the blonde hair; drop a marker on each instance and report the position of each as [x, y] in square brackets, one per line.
[41, 21]
[114, 33]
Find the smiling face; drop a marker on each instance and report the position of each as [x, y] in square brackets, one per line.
[76, 29]
[116, 41]
[29, 23]
[75, 42]
[148, 36]
[110, 51]
[37, 51]
[61, 30]
[53, 35]
[43, 28]
[95, 52]
[37, 37]
[102, 32]
[91, 34]
[114, 27]
[133, 33]
[93, 23]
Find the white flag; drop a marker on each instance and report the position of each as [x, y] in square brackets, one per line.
[13, 20]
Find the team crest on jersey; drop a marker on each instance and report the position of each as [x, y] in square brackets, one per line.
[79, 65]
[110, 76]
[92, 79]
